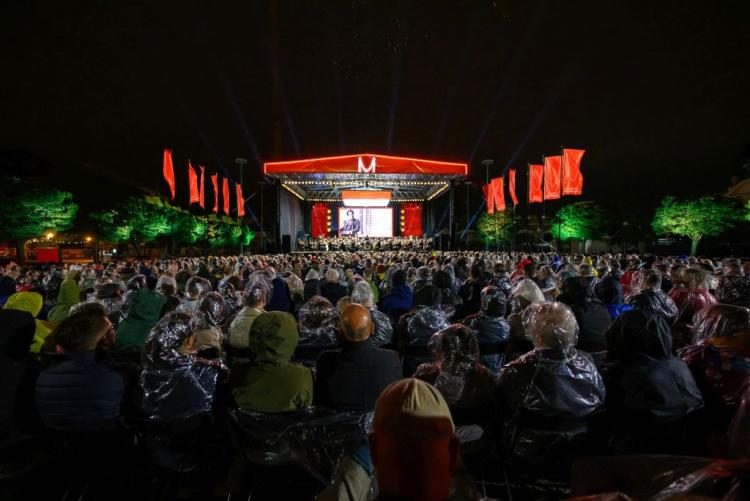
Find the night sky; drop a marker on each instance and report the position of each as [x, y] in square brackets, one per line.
[656, 91]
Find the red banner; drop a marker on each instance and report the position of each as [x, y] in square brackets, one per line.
[365, 163]
[225, 194]
[319, 221]
[215, 182]
[486, 189]
[167, 170]
[202, 193]
[412, 226]
[536, 175]
[195, 196]
[240, 201]
[572, 179]
[552, 177]
[498, 194]
[512, 186]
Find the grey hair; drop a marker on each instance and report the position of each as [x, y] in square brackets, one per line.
[332, 275]
[362, 293]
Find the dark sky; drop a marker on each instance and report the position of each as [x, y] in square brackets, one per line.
[656, 91]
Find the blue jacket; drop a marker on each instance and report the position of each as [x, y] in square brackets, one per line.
[397, 302]
[80, 391]
[281, 299]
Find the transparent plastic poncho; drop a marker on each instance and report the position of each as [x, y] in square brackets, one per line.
[457, 351]
[317, 322]
[721, 320]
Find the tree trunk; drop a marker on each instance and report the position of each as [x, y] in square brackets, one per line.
[20, 251]
[694, 245]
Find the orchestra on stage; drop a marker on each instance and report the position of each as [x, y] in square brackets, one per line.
[352, 244]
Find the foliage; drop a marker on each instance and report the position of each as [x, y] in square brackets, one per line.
[149, 219]
[579, 221]
[495, 227]
[747, 211]
[694, 218]
[27, 212]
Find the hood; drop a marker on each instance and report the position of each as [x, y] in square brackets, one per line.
[654, 301]
[31, 302]
[69, 293]
[146, 304]
[577, 290]
[635, 332]
[273, 338]
[16, 333]
[7, 286]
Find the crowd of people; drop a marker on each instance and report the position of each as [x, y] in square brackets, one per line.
[364, 243]
[445, 359]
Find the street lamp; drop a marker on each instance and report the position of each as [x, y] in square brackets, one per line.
[487, 164]
[241, 162]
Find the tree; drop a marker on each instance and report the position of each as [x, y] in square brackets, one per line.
[747, 211]
[694, 218]
[112, 226]
[29, 212]
[579, 221]
[493, 228]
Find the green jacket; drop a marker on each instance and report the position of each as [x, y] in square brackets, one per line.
[66, 298]
[270, 382]
[144, 312]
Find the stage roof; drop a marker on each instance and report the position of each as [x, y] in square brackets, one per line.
[323, 179]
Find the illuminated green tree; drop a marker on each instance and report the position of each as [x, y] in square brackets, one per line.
[747, 211]
[494, 228]
[112, 226]
[694, 218]
[579, 221]
[28, 212]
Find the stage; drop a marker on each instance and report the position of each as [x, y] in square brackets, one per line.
[362, 195]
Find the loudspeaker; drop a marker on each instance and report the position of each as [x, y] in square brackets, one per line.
[286, 243]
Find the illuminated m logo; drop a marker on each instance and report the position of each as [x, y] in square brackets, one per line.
[366, 170]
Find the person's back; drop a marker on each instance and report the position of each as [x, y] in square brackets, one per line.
[270, 382]
[256, 295]
[82, 390]
[332, 290]
[592, 316]
[143, 314]
[352, 378]
[490, 327]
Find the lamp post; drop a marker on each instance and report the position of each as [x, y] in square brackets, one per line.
[487, 164]
[241, 162]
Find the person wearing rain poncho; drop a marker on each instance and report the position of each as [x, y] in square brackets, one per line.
[209, 339]
[547, 394]
[144, 310]
[466, 384]
[719, 358]
[649, 390]
[68, 296]
[415, 329]
[524, 293]
[490, 327]
[175, 383]
[651, 299]
[32, 303]
[256, 295]
[592, 316]
[270, 382]
[383, 331]
[399, 298]
[317, 323]
[195, 290]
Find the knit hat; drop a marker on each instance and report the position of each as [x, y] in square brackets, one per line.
[414, 408]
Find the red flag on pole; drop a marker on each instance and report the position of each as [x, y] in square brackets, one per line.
[195, 196]
[240, 201]
[572, 179]
[536, 174]
[498, 194]
[552, 177]
[215, 182]
[225, 194]
[202, 194]
[167, 170]
[486, 189]
[512, 186]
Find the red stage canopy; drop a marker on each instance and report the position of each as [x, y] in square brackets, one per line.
[365, 163]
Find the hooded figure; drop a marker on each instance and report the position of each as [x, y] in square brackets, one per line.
[17, 372]
[551, 385]
[7, 288]
[256, 295]
[462, 380]
[416, 328]
[490, 327]
[647, 384]
[195, 289]
[592, 316]
[32, 303]
[144, 311]
[654, 301]
[720, 355]
[174, 383]
[399, 298]
[270, 382]
[68, 296]
[317, 322]
[208, 336]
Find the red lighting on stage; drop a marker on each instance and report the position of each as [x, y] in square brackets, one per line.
[366, 163]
